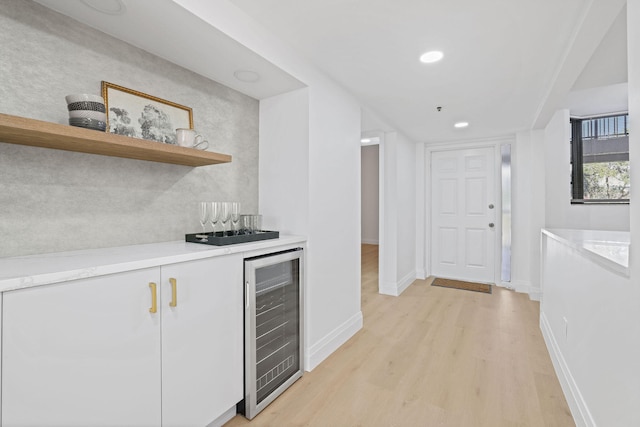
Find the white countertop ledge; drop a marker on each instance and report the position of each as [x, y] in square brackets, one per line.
[610, 249]
[35, 270]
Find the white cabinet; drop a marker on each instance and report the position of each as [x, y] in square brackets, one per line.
[83, 353]
[91, 353]
[202, 340]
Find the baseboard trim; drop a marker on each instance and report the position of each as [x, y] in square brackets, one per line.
[406, 281]
[388, 288]
[369, 241]
[395, 289]
[421, 274]
[535, 293]
[579, 409]
[332, 341]
[224, 418]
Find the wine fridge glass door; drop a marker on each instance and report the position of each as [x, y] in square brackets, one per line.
[273, 327]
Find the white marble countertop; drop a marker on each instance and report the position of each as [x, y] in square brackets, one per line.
[608, 248]
[35, 270]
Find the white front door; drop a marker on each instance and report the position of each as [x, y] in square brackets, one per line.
[463, 214]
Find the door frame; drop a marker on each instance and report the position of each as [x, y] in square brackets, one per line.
[379, 136]
[493, 143]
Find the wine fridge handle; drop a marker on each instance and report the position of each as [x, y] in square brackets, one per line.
[246, 296]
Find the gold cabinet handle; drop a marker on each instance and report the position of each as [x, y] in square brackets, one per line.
[154, 297]
[174, 292]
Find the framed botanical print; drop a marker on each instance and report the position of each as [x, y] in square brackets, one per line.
[139, 115]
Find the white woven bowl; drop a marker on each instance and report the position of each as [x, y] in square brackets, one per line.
[88, 114]
[79, 97]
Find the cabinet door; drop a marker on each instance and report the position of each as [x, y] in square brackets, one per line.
[82, 353]
[202, 361]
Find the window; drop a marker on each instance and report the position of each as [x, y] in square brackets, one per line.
[600, 159]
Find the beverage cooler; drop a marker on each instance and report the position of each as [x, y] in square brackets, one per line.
[273, 327]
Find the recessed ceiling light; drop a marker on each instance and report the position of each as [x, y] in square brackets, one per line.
[247, 76]
[110, 7]
[460, 125]
[431, 56]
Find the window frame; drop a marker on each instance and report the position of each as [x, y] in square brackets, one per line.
[577, 164]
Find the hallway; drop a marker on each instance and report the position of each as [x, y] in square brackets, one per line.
[430, 357]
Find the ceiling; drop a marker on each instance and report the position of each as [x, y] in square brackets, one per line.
[508, 64]
[501, 56]
[601, 88]
[167, 30]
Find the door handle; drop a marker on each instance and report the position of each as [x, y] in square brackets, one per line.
[154, 297]
[174, 292]
[491, 225]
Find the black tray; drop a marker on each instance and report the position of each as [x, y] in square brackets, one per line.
[220, 240]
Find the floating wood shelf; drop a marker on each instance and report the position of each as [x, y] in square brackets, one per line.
[20, 130]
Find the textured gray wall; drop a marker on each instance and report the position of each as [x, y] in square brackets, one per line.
[53, 200]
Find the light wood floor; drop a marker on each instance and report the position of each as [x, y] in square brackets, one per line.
[430, 357]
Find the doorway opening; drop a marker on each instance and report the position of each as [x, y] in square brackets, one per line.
[371, 196]
[370, 218]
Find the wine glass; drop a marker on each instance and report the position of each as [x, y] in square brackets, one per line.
[204, 217]
[225, 214]
[235, 216]
[214, 215]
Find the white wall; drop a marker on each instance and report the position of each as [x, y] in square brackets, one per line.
[370, 194]
[399, 253]
[528, 210]
[600, 355]
[329, 204]
[406, 217]
[611, 50]
[528, 205]
[284, 159]
[557, 172]
[388, 261]
[590, 323]
[310, 185]
[633, 17]
[559, 212]
[334, 220]
[137, 201]
[421, 194]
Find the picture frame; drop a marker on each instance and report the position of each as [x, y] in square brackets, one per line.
[140, 115]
